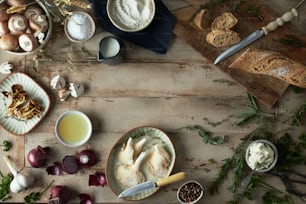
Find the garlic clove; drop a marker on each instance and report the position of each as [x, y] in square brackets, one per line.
[76, 89]
[63, 94]
[58, 82]
[5, 68]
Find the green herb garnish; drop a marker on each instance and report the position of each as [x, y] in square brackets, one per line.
[207, 136]
[255, 10]
[253, 112]
[290, 40]
[299, 116]
[6, 145]
[5, 186]
[33, 197]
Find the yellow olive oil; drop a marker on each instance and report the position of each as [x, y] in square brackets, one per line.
[73, 128]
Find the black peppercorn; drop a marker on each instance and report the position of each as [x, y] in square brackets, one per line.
[190, 192]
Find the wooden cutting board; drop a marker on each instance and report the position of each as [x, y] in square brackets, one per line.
[265, 88]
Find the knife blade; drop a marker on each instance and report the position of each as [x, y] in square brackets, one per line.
[242, 44]
[150, 184]
[280, 21]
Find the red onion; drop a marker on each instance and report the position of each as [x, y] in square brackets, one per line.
[55, 169]
[70, 164]
[87, 158]
[98, 179]
[59, 195]
[37, 157]
[85, 199]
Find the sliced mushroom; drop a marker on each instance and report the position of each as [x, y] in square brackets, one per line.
[3, 28]
[17, 24]
[9, 42]
[38, 22]
[33, 10]
[27, 42]
[15, 2]
[3, 15]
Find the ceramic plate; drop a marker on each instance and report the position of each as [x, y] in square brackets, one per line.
[11, 124]
[153, 136]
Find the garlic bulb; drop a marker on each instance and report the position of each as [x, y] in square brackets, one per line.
[63, 94]
[21, 181]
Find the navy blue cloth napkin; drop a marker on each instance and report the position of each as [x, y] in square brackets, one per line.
[155, 37]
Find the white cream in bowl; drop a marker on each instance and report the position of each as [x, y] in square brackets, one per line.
[261, 155]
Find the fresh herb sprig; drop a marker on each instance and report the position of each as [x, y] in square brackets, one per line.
[6, 145]
[255, 10]
[207, 136]
[33, 197]
[5, 186]
[299, 116]
[254, 112]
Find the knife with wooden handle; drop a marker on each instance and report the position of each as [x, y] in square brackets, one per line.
[280, 21]
[150, 184]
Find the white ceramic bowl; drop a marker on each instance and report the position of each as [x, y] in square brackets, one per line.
[88, 27]
[73, 128]
[47, 35]
[131, 17]
[275, 155]
[186, 185]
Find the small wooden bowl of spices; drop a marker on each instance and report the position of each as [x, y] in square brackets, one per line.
[190, 192]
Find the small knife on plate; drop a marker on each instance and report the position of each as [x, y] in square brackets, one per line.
[150, 184]
[286, 17]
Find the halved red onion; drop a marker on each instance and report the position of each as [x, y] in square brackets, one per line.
[87, 158]
[97, 179]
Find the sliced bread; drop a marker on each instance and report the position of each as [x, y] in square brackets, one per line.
[201, 19]
[221, 38]
[224, 22]
[272, 63]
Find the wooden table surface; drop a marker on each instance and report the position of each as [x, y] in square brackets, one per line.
[170, 91]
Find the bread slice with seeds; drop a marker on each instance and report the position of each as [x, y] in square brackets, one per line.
[224, 22]
[220, 38]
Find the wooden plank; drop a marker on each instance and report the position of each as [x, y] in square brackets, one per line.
[139, 79]
[267, 89]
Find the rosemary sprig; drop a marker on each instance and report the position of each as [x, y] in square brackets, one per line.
[222, 175]
[299, 116]
[273, 197]
[207, 136]
[290, 40]
[255, 10]
[253, 112]
[247, 192]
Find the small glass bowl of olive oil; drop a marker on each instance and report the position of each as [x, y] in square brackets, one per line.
[73, 128]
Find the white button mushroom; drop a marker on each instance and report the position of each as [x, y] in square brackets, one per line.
[76, 89]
